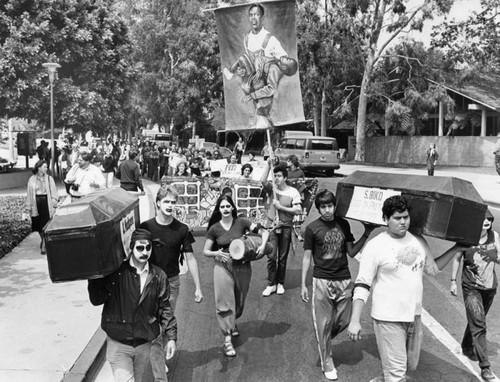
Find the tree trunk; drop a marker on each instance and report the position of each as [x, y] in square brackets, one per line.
[362, 109]
[324, 107]
[316, 115]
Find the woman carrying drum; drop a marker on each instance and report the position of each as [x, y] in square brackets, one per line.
[231, 277]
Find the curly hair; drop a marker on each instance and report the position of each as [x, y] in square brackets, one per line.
[396, 203]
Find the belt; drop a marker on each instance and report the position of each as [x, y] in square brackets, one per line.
[134, 343]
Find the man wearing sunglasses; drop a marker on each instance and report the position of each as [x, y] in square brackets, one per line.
[136, 310]
[177, 240]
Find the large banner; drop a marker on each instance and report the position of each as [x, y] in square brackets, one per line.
[258, 48]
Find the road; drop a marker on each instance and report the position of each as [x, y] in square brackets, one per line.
[277, 340]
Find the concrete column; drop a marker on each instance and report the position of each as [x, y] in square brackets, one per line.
[483, 122]
[441, 120]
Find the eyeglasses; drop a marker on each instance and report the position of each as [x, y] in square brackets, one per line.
[141, 248]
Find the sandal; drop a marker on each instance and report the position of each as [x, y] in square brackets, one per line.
[229, 349]
[235, 332]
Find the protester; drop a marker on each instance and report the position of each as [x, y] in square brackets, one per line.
[246, 171]
[129, 174]
[43, 151]
[266, 151]
[42, 199]
[239, 148]
[163, 160]
[177, 247]
[108, 167]
[479, 286]
[327, 242]
[432, 157]
[293, 167]
[182, 169]
[251, 158]
[84, 177]
[154, 162]
[281, 212]
[136, 310]
[392, 264]
[233, 159]
[231, 277]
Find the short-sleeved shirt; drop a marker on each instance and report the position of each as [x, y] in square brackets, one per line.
[287, 198]
[327, 241]
[222, 237]
[479, 265]
[176, 238]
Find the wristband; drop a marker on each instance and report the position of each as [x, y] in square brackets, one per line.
[453, 279]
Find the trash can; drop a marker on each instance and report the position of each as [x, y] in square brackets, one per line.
[90, 238]
[444, 207]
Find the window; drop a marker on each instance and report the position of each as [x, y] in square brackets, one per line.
[326, 145]
[290, 144]
[300, 144]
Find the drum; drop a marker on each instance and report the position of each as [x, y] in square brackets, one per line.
[245, 248]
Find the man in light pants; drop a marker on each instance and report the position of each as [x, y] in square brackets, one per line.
[392, 265]
[328, 240]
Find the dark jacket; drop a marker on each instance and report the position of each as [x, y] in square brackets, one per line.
[129, 316]
[129, 175]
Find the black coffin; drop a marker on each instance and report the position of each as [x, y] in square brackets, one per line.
[86, 239]
[444, 207]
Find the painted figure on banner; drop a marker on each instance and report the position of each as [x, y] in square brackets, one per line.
[260, 59]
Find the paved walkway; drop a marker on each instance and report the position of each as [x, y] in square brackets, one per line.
[44, 326]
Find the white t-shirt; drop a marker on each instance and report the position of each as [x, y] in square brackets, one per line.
[393, 268]
[273, 47]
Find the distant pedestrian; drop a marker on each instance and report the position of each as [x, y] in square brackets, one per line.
[266, 151]
[108, 167]
[129, 173]
[432, 158]
[136, 310]
[84, 177]
[479, 286]
[42, 199]
[239, 147]
[497, 154]
[293, 167]
[328, 241]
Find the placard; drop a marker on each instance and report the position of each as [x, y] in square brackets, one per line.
[127, 228]
[366, 204]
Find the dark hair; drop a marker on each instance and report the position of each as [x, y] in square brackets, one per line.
[216, 215]
[294, 160]
[257, 5]
[396, 203]
[281, 168]
[324, 197]
[165, 190]
[87, 157]
[132, 154]
[246, 165]
[39, 164]
[226, 190]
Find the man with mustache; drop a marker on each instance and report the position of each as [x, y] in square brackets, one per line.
[132, 295]
[392, 267]
[177, 240]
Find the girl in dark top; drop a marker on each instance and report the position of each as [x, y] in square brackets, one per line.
[479, 286]
[231, 277]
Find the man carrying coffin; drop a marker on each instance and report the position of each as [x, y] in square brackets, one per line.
[392, 267]
[136, 310]
[328, 241]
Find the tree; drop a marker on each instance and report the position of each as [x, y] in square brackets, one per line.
[88, 39]
[473, 42]
[176, 52]
[379, 23]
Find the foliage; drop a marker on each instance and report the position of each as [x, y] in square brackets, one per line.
[88, 39]
[407, 86]
[176, 52]
[475, 41]
[12, 228]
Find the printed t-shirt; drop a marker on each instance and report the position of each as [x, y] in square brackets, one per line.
[327, 240]
[479, 265]
[288, 198]
[176, 239]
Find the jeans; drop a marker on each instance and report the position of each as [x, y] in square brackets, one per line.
[157, 353]
[477, 304]
[331, 308]
[128, 363]
[399, 345]
[276, 263]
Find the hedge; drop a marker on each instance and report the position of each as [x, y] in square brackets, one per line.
[12, 227]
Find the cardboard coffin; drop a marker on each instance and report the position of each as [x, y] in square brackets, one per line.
[90, 237]
[443, 207]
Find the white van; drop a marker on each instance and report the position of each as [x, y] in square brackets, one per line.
[314, 153]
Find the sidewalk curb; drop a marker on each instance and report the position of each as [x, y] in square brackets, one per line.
[90, 361]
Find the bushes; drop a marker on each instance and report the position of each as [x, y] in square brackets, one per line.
[12, 228]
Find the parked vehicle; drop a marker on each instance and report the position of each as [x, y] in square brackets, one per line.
[314, 153]
[224, 151]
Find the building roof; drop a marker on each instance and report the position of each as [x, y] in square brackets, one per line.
[483, 88]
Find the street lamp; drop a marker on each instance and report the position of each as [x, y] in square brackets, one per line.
[52, 69]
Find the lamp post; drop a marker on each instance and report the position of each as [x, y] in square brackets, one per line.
[52, 69]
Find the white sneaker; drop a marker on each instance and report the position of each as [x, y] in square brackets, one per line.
[331, 375]
[280, 289]
[269, 290]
